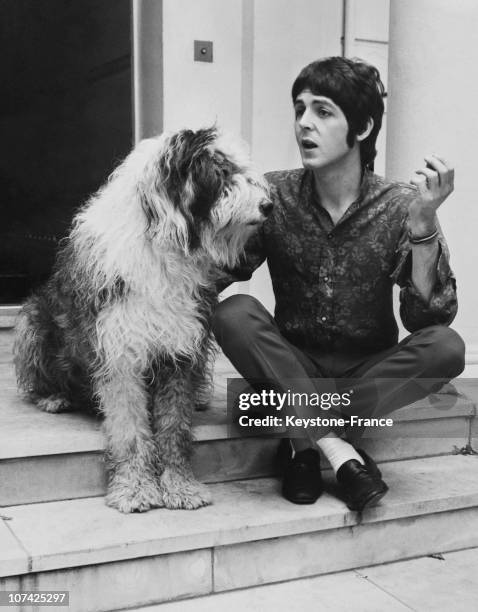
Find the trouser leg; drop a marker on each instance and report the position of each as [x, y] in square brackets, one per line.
[249, 337]
[416, 367]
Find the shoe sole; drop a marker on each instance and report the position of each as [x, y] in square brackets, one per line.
[300, 502]
[372, 500]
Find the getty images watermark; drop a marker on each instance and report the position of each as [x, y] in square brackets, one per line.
[356, 407]
[290, 400]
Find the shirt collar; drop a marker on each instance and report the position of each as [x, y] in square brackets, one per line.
[368, 186]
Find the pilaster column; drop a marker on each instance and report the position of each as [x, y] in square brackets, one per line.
[147, 63]
[433, 108]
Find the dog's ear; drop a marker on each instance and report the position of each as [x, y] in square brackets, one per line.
[194, 175]
[205, 184]
[149, 208]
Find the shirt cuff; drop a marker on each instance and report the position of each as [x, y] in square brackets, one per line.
[403, 270]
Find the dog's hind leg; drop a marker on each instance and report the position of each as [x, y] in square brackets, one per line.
[130, 449]
[173, 404]
[35, 357]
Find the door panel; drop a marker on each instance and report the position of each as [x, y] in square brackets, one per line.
[65, 121]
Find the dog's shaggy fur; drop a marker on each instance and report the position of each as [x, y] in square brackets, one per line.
[124, 321]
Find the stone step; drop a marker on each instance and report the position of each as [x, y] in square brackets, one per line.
[427, 583]
[45, 457]
[250, 536]
[8, 315]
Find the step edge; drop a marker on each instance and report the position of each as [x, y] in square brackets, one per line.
[203, 434]
[39, 563]
[211, 538]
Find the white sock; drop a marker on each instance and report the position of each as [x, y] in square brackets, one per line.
[337, 451]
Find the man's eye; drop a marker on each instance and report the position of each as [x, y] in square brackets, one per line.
[299, 111]
[323, 112]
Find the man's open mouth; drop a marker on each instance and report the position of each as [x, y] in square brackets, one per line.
[308, 144]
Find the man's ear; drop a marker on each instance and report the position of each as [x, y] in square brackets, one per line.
[363, 135]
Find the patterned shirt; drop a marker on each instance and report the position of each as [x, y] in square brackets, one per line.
[333, 283]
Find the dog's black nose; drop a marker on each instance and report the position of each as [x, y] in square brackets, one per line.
[266, 208]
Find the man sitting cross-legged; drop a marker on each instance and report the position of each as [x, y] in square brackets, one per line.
[337, 240]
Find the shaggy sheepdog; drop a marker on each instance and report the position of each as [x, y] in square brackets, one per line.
[123, 323]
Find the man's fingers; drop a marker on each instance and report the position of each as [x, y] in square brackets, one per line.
[434, 184]
[444, 169]
[431, 176]
[441, 159]
[420, 182]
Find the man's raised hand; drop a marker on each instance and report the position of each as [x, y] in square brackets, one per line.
[434, 184]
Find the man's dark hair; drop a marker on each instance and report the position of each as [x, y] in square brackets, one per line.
[356, 88]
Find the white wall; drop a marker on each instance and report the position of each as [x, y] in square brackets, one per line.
[200, 93]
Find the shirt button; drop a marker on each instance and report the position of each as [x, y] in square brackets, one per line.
[329, 236]
[326, 278]
[324, 318]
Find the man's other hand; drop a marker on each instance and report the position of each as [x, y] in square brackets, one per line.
[434, 184]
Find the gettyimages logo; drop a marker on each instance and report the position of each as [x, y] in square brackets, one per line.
[277, 400]
[357, 408]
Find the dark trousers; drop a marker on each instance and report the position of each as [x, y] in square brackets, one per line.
[385, 381]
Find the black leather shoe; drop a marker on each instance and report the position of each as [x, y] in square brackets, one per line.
[362, 484]
[302, 480]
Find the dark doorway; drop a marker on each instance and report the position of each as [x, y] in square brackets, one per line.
[65, 122]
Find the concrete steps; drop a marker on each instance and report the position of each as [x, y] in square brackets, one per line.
[56, 532]
[46, 457]
[250, 536]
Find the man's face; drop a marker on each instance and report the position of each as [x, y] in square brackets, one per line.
[321, 131]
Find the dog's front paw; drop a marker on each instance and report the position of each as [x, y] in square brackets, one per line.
[181, 491]
[54, 404]
[133, 496]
